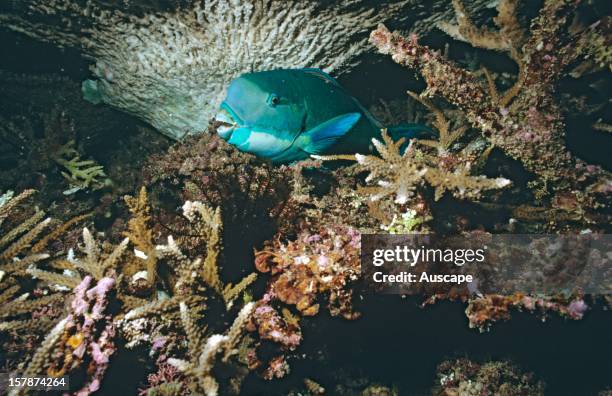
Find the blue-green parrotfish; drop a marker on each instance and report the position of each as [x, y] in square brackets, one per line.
[286, 115]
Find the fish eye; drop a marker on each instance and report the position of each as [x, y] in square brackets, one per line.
[273, 100]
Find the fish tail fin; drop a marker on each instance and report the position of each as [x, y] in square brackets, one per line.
[411, 131]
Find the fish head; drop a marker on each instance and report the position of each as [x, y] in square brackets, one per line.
[261, 114]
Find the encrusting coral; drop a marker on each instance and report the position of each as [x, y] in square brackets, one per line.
[525, 122]
[303, 271]
[466, 378]
[326, 262]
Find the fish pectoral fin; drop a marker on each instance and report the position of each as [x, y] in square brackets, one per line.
[321, 137]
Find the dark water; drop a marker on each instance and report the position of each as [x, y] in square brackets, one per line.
[396, 342]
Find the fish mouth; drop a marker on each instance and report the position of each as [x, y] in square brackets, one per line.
[225, 122]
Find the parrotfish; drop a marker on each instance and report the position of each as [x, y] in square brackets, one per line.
[286, 115]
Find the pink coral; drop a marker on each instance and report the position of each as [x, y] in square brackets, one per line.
[88, 339]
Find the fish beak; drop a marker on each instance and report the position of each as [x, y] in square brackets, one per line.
[225, 124]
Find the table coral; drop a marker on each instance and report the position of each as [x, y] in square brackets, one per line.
[170, 67]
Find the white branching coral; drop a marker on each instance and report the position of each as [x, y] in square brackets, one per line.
[170, 68]
[399, 171]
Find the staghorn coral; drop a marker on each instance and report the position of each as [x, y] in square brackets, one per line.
[81, 174]
[525, 121]
[193, 278]
[96, 262]
[140, 233]
[77, 331]
[465, 377]
[170, 67]
[88, 335]
[203, 353]
[26, 309]
[400, 171]
[85, 338]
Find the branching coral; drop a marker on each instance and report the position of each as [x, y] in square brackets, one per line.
[85, 338]
[88, 334]
[525, 122]
[78, 332]
[140, 233]
[19, 306]
[400, 171]
[194, 274]
[203, 352]
[170, 67]
[81, 174]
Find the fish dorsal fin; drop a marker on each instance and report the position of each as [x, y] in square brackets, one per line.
[323, 136]
[322, 75]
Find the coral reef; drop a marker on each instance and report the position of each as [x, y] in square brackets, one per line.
[27, 309]
[40, 116]
[525, 121]
[256, 199]
[204, 352]
[465, 377]
[227, 275]
[86, 338]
